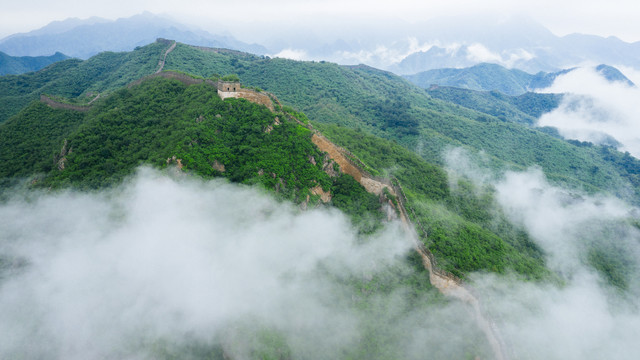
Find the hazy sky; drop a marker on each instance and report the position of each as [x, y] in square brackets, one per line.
[611, 17]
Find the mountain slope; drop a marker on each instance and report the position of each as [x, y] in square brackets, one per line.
[164, 121]
[357, 97]
[390, 107]
[524, 109]
[80, 80]
[22, 64]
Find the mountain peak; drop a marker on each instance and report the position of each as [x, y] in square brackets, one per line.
[85, 38]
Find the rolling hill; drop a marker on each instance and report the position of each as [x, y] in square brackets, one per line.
[22, 64]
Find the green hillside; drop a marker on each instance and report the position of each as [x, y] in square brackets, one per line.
[390, 107]
[358, 97]
[165, 123]
[23, 64]
[150, 124]
[483, 76]
[79, 80]
[162, 122]
[524, 109]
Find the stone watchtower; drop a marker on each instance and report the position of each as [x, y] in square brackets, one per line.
[228, 86]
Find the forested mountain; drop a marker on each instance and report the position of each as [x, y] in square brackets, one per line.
[363, 98]
[489, 77]
[23, 64]
[525, 108]
[100, 119]
[375, 101]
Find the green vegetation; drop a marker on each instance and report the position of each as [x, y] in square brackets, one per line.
[160, 118]
[356, 106]
[388, 106]
[358, 97]
[461, 226]
[22, 64]
[74, 78]
[481, 77]
[524, 109]
[152, 123]
[33, 140]
[162, 122]
[231, 77]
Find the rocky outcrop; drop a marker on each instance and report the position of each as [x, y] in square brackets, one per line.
[61, 160]
[217, 165]
[325, 196]
[175, 160]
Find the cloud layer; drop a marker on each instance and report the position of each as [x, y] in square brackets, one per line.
[164, 263]
[579, 314]
[596, 110]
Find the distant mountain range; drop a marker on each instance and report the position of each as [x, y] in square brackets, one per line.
[402, 48]
[518, 43]
[490, 77]
[85, 38]
[22, 64]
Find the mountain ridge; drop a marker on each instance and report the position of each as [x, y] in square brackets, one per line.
[85, 38]
[14, 65]
[491, 77]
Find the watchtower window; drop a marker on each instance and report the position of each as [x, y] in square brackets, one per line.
[228, 89]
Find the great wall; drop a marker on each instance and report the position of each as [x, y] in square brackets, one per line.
[62, 105]
[448, 284]
[445, 282]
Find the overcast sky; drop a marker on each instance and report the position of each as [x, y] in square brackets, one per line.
[605, 18]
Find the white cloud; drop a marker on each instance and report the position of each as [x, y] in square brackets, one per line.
[479, 53]
[579, 315]
[293, 54]
[166, 264]
[383, 56]
[595, 110]
[583, 318]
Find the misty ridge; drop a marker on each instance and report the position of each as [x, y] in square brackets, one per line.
[167, 264]
[596, 110]
[581, 315]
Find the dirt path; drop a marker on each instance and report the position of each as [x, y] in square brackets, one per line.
[164, 58]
